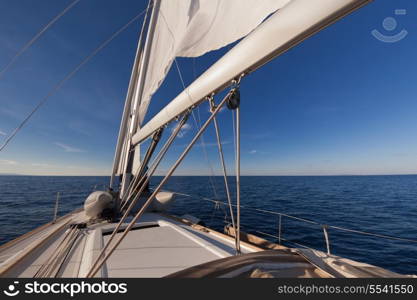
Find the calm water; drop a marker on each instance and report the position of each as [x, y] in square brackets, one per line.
[378, 204]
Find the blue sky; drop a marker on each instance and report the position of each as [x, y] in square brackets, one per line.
[343, 102]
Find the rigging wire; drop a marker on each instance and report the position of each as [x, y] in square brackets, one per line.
[68, 77]
[195, 121]
[238, 179]
[171, 171]
[234, 131]
[36, 37]
[202, 137]
[237, 160]
[202, 142]
[223, 164]
[148, 174]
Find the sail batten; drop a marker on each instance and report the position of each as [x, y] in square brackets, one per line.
[286, 28]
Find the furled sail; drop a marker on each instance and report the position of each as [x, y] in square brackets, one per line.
[191, 28]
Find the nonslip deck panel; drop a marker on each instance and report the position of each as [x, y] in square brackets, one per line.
[156, 252]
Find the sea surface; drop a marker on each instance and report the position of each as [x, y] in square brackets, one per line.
[385, 205]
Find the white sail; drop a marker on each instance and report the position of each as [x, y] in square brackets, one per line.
[191, 28]
[290, 25]
[186, 28]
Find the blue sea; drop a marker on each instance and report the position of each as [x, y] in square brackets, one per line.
[385, 205]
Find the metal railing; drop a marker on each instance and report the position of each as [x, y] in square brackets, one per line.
[324, 227]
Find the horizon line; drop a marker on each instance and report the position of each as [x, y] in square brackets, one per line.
[208, 175]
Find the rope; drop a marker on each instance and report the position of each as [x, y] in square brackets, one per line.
[234, 131]
[36, 37]
[53, 255]
[238, 179]
[226, 184]
[68, 77]
[60, 254]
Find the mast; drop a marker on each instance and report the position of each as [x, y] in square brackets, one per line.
[285, 29]
[132, 152]
[124, 155]
[121, 140]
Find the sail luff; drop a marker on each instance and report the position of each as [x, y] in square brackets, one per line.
[289, 26]
[144, 65]
[123, 123]
[133, 151]
[121, 139]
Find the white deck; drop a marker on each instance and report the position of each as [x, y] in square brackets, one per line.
[155, 247]
[168, 248]
[165, 248]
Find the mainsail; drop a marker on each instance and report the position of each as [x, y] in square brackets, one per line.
[295, 22]
[187, 28]
[191, 28]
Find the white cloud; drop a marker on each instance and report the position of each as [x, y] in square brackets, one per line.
[253, 152]
[212, 144]
[2, 133]
[185, 128]
[222, 109]
[68, 148]
[40, 165]
[8, 162]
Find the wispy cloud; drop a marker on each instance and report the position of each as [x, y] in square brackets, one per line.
[222, 109]
[10, 113]
[8, 162]
[212, 144]
[254, 151]
[40, 165]
[2, 133]
[185, 128]
[68, 148]
[79, 127]
[206, 144]
[257, 136]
